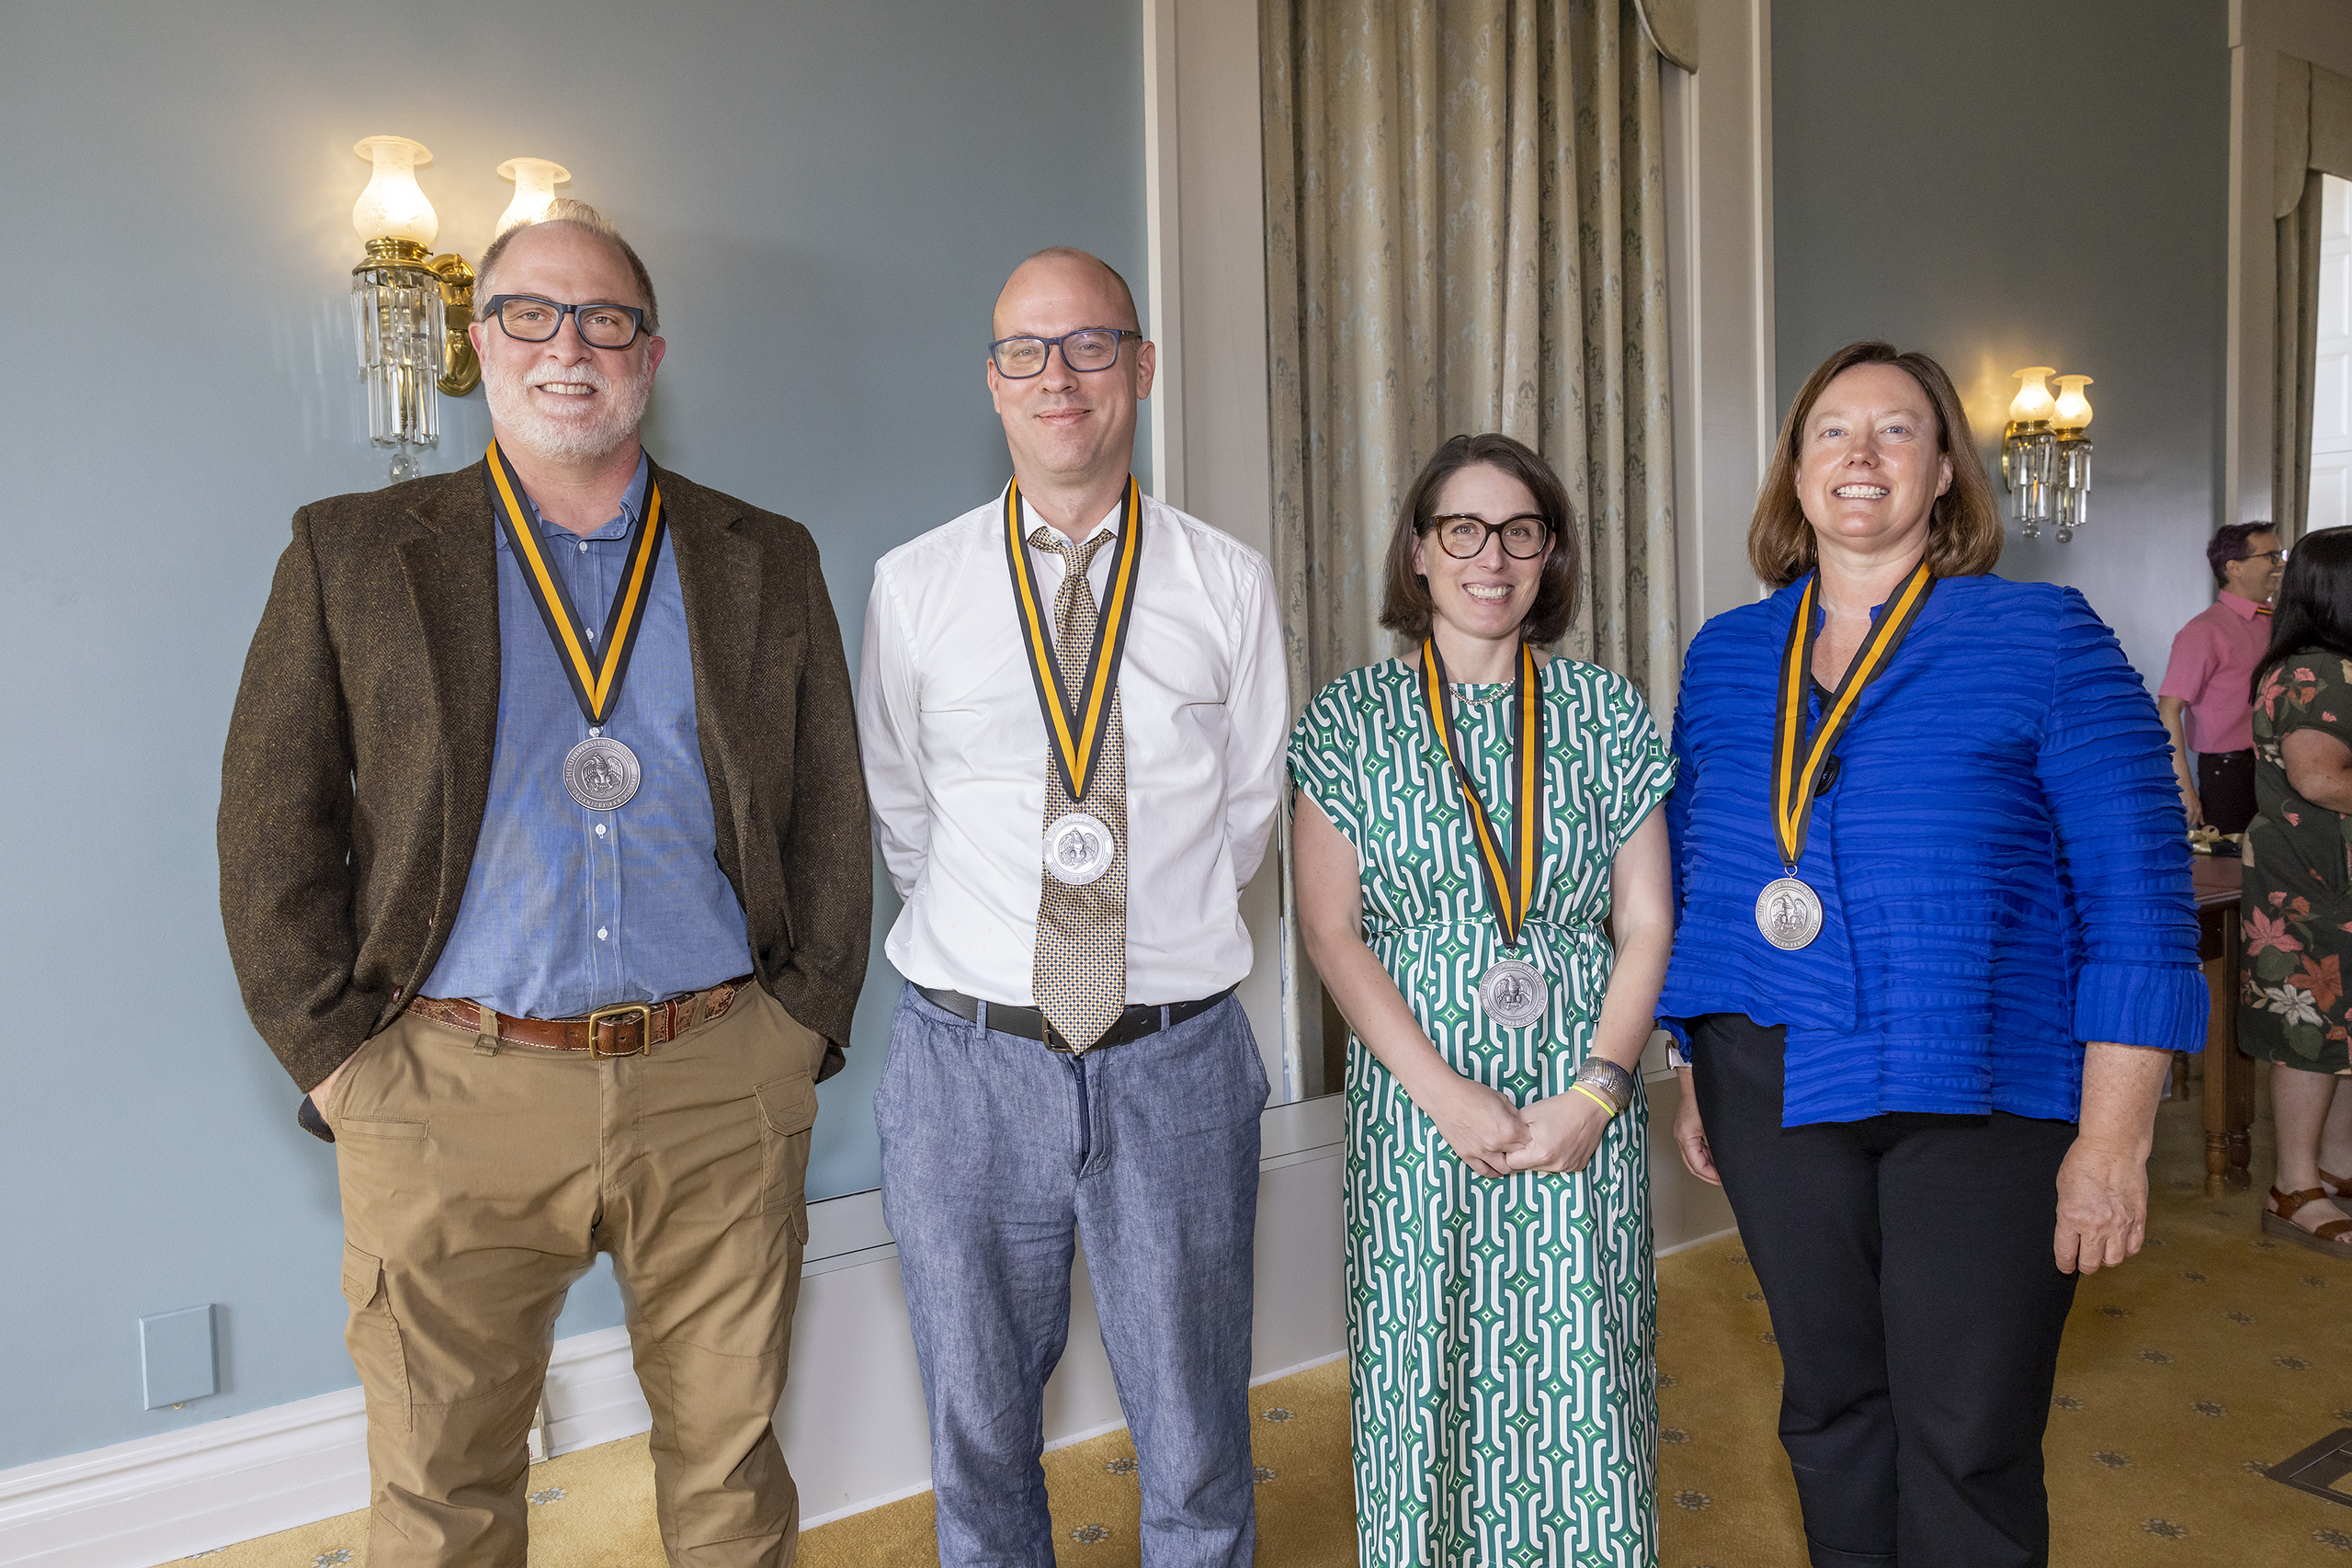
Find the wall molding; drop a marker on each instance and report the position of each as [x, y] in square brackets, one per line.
[154, 1499]
[2260, 31]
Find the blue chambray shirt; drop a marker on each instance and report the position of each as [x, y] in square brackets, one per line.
[567, 909]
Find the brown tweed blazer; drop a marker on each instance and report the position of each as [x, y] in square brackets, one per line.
[358, 758]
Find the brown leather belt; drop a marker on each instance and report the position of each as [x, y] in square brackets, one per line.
[625, 1029]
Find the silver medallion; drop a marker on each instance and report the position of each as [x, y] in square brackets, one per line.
[1788, 913]
[1512, 993]
[1079, 849]
[601, 774]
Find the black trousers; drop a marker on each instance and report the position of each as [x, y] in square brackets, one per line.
[2225, 789]
[1906, 1262]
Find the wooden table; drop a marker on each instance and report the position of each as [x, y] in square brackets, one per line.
[2229, 1072]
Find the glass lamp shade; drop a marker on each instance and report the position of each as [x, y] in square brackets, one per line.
[534, 182]
[2033, 401]
[392, 207]
[2072, 411]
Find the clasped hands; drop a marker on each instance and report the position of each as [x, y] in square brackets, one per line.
[1496, 1138]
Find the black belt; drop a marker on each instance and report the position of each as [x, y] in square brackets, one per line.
[1134, 1021]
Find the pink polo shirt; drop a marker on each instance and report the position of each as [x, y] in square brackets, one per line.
[2212, 662]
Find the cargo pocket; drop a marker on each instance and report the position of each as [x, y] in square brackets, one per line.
[373, 1336]
[788, 1109]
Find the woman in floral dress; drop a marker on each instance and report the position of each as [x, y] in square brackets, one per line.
[1452, 889]
[2297, 899]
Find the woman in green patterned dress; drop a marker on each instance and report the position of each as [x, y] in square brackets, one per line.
[1452, 887]
[2297, 899]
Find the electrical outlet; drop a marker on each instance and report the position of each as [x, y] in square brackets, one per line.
[176, 1356]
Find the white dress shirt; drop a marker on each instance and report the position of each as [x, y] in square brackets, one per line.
[956, 752]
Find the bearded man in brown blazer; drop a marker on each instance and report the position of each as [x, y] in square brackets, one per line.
[545, 870]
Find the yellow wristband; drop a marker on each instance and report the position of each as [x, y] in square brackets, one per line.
[1595, 1099]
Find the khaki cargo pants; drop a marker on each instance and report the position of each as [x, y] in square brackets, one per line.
[478, 1184]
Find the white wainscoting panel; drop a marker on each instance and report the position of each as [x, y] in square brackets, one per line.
[852, 1420]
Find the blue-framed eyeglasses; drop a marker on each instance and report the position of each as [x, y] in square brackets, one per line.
[527, 318]
[1088, 348]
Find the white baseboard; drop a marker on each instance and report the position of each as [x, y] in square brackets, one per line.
[155, 1499]
[1697, 1242]
[810, 1521]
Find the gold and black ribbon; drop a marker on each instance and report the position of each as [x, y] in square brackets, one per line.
[1510, 870]
[1794, 783]
[1077, 731]
[595, 678]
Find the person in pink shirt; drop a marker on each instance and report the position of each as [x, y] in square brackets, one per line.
[2211, 669]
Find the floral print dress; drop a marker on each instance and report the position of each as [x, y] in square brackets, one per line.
[2298, 900]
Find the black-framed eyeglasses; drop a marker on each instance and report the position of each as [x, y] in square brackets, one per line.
[2278, 555]
[1463, 535]
[527, 318]
[1088, 348]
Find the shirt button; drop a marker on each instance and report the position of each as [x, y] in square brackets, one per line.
[600, 830]
[600, 933]
[584, 547]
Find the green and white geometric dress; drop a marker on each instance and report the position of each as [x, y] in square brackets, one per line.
[1504, 1389]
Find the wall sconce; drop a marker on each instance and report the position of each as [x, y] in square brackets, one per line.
[410, 307]
[534, 182]
[2045, 456]
[2029, 451]
[2068, 420]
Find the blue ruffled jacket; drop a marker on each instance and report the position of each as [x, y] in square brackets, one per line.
[2001, 859]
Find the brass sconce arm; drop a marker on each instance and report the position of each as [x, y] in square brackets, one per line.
[465, 372]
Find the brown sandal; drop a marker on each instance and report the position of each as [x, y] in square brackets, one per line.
[2337, 1186]
[2335, 1237]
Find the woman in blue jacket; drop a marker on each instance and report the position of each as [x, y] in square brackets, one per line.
[1935, 946]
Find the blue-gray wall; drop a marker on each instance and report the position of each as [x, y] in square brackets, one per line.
[828, 195]
[2007, 183]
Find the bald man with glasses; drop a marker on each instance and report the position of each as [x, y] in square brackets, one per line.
[1071, 706]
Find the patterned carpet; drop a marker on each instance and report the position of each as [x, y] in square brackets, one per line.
[2209, 1358]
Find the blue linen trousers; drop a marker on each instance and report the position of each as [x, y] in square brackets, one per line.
[998, 1157]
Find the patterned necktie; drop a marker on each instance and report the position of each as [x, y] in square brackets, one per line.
[1080, 977]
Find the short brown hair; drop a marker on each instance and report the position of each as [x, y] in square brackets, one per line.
[563, 209]
[1406, 604]
[1963, 527]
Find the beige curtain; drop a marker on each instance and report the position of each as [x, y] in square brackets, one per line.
[2313, 128]
[1466, 231]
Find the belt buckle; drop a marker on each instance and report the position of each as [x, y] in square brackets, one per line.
[645, 1011]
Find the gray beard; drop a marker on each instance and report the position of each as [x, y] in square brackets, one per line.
[561, 441]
